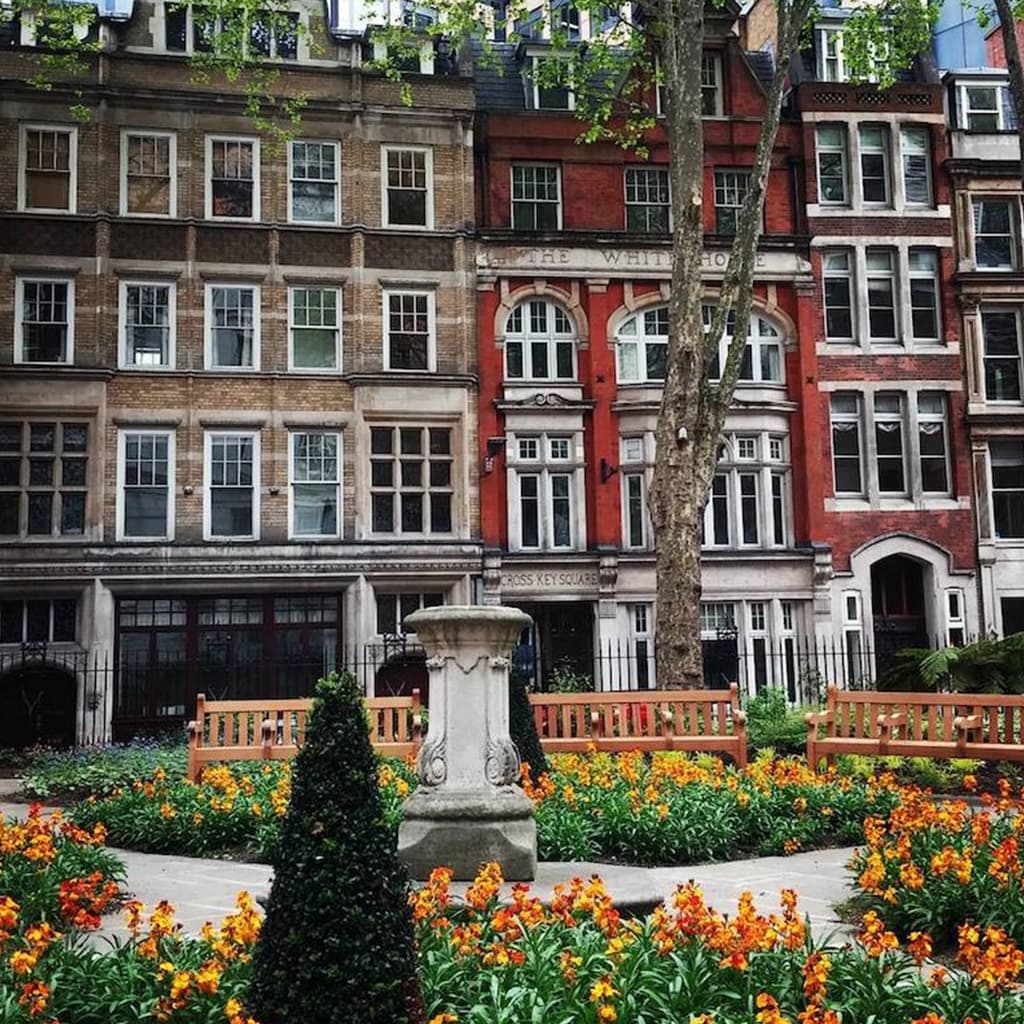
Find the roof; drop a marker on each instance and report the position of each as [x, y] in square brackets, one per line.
[762, 63]
[498, 81]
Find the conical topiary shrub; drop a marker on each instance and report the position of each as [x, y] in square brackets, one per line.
[523, 729]
[337, 943]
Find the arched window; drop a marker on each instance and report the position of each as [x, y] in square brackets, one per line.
[642, 342]
[540, 342]
[762, 359]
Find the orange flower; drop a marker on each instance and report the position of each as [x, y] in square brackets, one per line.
[34, 995]
[874, 937]
[919, 946]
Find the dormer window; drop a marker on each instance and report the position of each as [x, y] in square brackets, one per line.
[831, 67]
[567, 19]
[987, 108]
[552, 90]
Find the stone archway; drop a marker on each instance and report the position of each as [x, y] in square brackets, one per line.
[899, 608]
[37, 705]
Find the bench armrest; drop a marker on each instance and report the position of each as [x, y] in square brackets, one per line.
[815, 718]
[417, 727]
[740, 717]
[965, 723]
[194, 731]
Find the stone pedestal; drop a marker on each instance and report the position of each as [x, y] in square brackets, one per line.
[467, 810]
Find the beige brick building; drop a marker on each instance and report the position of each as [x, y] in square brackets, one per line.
[238, 434]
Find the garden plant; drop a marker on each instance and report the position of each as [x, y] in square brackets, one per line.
[931, 866]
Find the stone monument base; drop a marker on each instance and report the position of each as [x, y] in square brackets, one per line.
[463, 829]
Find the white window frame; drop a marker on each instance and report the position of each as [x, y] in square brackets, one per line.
[252, 140]
[208, 345]
[512, 193]
[634, 463]
[732, 182]
[431, 297]
[428, 165]
[208, 437]
[123, 362]
[857, 418]
[997, 537]
[850, 276]
[1018, 315]
[640, 340]
[333, 143]
[1003, 105]
[887, 164]
[942, 418]
[42, 126]
[551, 340]
[756, 343]
[824, 34]
[543, 467]
[921, 131]
[892, 277]
[843, 149]
[172, 157]
[293, 436]
[122, 436]
[900, 420]
[19, 313]
[1015, 238]
[338, 344]
[711, 59]
[914, 274]
[645, 169]
[536, 86]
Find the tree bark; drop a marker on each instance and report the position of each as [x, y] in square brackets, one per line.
[693, 410]
[1008, 27]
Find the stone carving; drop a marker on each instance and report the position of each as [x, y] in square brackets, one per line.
[433, 768]
[436, 662]
[500, 662]
[502, 765]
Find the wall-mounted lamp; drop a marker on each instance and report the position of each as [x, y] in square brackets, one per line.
[494, 447]
[274, 490]
[187, 489]
[607, 471]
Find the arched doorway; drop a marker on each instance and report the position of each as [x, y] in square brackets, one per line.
[899, 617]
[37, 705]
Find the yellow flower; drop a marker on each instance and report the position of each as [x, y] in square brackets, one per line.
[602, 990]
[607, 1013]
[443, 1018]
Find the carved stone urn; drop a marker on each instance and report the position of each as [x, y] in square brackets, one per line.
[467, 809]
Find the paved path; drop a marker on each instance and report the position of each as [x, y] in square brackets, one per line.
[204, 890]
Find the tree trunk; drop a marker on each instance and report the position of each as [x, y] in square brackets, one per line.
[1008, 27]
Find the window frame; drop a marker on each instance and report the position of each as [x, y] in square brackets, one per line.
[208, 435]
[850, 277]
[428, 166]
[1012, 539]
[900, 419]
[20, 281]
[544, 468]
[824, 33]
[1013, 205]
[431, 297]
[338, 328]
[723, 185]
[336, 219]
[536, 87]
[426, 489]
[934, 277]
[891, 276]
[558, 202]
[123, 362]
[209, 348]
[715, 60]
[172, 157]
[641, 339]
[885, 151]
[1004, 105]
[550, 339]
[1018, 316]
[943, 419]
[293, 435]
[843, 150]
[857, 418]
[922, 131]
[647, 207]
[22, 185]
[120, 533]
[253, 140]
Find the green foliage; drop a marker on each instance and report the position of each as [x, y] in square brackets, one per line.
[565, 679]
[337, 944]
[523, 729]
[990, 665]
[772, 723]
[98, 770]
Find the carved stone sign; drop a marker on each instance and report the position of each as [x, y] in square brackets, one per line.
[557, 261]
[550, 580]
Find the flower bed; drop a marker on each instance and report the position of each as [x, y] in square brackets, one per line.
[577, 960]
[668, 810]
[931, 866]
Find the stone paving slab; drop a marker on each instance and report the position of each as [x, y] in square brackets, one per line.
[204, 890]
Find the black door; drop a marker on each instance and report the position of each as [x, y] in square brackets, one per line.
[1013, 615]
[37, 705]
[897, 598]
[561, 640]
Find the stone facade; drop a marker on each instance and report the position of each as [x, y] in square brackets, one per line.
[238, 408]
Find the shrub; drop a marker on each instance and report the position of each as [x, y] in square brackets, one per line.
[99, 770]
[337, 944]
[772, 723]
[523, 729]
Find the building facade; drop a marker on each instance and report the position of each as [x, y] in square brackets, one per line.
[984, 165]
[573, 276]
[238, 411]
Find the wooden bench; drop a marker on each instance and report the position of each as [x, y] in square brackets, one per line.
[273, 730]
[941, 725]
[689, 720]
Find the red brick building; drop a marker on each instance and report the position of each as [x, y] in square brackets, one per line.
[840, 517]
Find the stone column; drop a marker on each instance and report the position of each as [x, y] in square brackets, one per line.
[467, 809]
